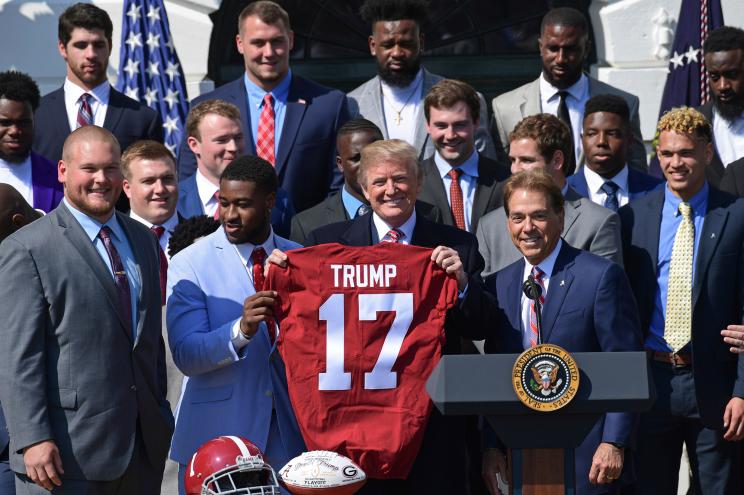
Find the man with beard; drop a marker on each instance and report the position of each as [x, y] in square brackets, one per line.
[394, 99]
[29, 173]
[86, 96]
[214, 315]
[562, 88]
[724, 62]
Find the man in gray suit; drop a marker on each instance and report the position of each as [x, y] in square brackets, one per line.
[82, 374]
[562, 88]
[543, 141]
[393, 99]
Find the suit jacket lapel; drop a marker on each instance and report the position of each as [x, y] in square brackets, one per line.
[434, 184]
[62, 122]
[145, 272]
[560, 283]
[532, 104]
[114, 110]
[336, 209]
[359, 232]
[514, 298]
[420, 135]
[371, 104]
[650, 228]
[74, 233]
[296, 107]
[579, 183]
[715, 220]
[485, 186]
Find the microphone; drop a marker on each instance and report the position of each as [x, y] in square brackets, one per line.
[533, 291]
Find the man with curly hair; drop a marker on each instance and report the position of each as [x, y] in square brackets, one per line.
[32, 175]
[683, 254]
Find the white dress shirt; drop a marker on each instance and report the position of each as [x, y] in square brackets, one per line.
[409, 101]
[578, 94]
[546, 266]
[595, 181]
[383, 228]
[18, 175]
[206, 190]
[245, 252]
[468, 182]
[729, 138]
[98, 105]
[168, 225]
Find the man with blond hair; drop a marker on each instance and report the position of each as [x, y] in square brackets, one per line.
[683, 254]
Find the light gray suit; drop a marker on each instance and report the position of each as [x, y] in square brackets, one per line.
[366, 101]
[509, 108]
[586, 226]
[70, 370]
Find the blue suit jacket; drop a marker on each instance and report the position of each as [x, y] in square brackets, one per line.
[717, 291]
[127, 119]
[639, 184]
[306, 158]
[589, 307]
[226, 393]
[189, 205]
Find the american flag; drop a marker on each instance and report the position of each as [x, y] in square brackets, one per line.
[149, 69]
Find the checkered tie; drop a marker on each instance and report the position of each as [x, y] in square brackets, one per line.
[610, 189]
[678, 321]
[538, 275]
[393, 236]
[85, 112]
[265, 138]
[456, 202]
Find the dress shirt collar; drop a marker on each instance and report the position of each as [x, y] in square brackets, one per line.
[280, 91]
[73, 92]
[402, 94]
[92, 227]
[578, 90]
[594, 181]
[245, 250]
[383, 228]
[168, 225]
[545, 265]
[205, 188]
[351, 204]
[469, 166]
[698, 202]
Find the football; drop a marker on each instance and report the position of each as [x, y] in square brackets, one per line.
[322, 472]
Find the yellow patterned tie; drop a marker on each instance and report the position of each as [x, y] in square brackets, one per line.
[678, 324]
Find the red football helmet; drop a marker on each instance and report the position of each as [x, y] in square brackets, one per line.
[229, 465]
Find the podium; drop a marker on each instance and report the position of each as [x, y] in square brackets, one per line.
[541, 443]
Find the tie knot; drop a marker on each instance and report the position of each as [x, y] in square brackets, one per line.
[393, 236]
[85, 98]
[158, 230]
[268, 100]
[259, 256]
[537, 272]
[455, 173]
[609, 187]
[685, 210]
[105, 233]
[563, 94]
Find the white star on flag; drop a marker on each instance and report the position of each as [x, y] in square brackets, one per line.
[153, 41]
[171, 98]
[170, 46]
[134, 12]
[170, 124]
[134, 40]
[132, 68]
[677, 60]
[153, 13]
[172, 70]
[152, 69]
[692, 55]
[150, 95]
[132, 93]
[171, 148]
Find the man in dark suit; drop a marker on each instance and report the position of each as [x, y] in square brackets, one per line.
[83, 386]
[390, 178]
[31, 174]
[588, 307]
[289, 121]
[86, 96]
[724, 62]
[683, 254]
[462, 183]
[733, 178]
[606, 177]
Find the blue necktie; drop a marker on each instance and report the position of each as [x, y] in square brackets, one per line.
[610, 189]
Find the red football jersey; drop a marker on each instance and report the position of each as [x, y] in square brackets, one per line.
[361, 329]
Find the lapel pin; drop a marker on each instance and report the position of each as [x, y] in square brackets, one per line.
[713, 236]
[563, 282]
[301, 101]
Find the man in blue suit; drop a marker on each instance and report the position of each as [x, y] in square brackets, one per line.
[215, 137]
[588, 307]
[86, 96]
[288, 120]
[236, 382]
[606, 178]
[682, 247]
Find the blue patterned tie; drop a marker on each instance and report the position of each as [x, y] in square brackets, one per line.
[610, 189]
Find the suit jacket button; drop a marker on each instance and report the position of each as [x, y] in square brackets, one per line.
[133, 388]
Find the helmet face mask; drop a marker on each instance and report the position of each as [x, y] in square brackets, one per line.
[230, 465]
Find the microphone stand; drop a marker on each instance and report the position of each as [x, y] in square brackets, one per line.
[533, 291]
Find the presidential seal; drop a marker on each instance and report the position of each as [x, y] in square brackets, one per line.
[545, 377]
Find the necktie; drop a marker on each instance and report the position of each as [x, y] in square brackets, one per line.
[362, 210]
[258, 257]
[217, 210]
[610, 189]
[265, 135]
[393, 236]
[678, 321]
[538, 275]
[120, 277]
[159, 230]
[456, 202]
[565, 117]
[85, 112]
